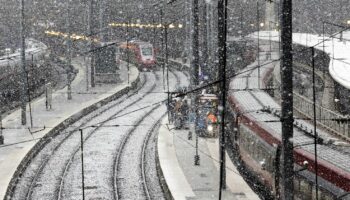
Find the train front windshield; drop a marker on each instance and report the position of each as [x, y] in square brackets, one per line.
[147, 51]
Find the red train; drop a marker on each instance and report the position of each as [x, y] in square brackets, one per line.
[255, 127]
[140, 53]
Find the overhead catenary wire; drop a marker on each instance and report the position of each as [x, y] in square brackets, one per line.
[253, 68]
[230, 76]
[304, 49]
[42, 128]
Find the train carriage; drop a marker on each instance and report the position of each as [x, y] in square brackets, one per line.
[256, 138]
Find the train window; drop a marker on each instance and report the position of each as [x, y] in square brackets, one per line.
[146, 51]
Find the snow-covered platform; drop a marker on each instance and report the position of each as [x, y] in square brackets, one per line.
[184, 180]
[20, 139]
[337, 49]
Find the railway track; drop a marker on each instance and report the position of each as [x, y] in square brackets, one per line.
[138, 186]
[91, 134]
[55, 172]
[60, 144]
[134, 187]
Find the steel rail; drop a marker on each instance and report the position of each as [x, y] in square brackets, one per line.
[44, 162]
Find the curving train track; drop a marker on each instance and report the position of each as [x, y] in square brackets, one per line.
[117, 141]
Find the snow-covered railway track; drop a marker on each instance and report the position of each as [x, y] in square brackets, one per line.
[95, 130]
[134, 186]
[130, 175]
[146, 184]
[55, 173]
[31, 178]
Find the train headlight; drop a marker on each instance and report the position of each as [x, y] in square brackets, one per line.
[210, 128]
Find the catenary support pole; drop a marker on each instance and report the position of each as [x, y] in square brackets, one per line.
[190, 34]
[258, 26]
[82, 162]
[69, 52]
[92, 45]
[204, 42]
[195, 45]
[196, 157]
[209, 42]
[242, 23]
[287, 101]
[314, 120]
[195, 64]
[154, 31]
[323, 47]
[163, 56]
[86, 21]
[127, 51]
[102, 19]
[222, 36]
[270, 42]
[28, 92]
[23, 64]
[167, 63]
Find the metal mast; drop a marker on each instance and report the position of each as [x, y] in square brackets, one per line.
[92, 46]
[287, 101]
[195, 68]
[69, 52]
[23, 63]
[222, 36]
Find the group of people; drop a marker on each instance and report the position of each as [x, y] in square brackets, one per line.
[179, 112]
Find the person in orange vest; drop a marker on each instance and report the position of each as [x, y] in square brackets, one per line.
[212, 118]
[211, 124]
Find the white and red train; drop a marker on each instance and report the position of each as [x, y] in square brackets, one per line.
[140, 53]
[255, 136]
